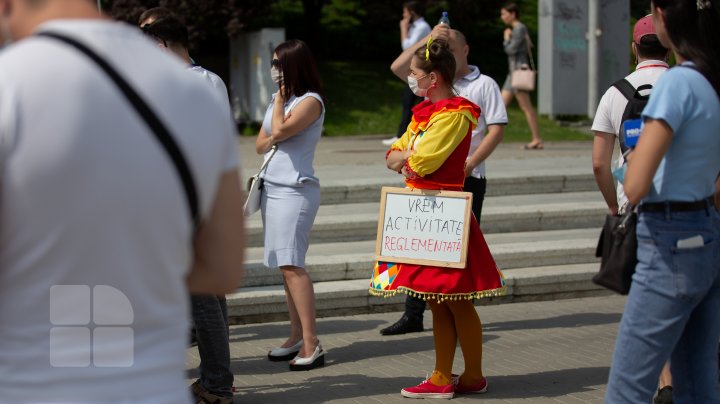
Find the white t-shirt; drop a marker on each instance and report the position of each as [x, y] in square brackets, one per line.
[95, 230]
[608, 117]
[418, 30]
[216, 83]
[485, 93]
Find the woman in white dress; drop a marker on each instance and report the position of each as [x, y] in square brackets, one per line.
[291, 195]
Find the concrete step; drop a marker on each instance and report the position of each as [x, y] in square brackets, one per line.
[541, 218]
[353, 170]
[354, 260]
[513, 213]
[346, 297]
[367, 189]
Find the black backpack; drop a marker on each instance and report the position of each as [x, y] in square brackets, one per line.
[636, 104]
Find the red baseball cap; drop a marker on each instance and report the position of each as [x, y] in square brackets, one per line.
[643, 26]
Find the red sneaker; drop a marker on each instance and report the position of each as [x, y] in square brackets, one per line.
[429, 390]
[477, 388]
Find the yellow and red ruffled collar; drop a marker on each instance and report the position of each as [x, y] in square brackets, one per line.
[426, 111]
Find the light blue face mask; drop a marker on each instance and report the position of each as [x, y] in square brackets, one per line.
[619, 173]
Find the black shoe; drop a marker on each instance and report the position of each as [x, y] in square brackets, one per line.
[193, 337]
[201, 395]
[664, 396]
[403, 326]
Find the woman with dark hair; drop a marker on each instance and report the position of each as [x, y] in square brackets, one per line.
[291, 195]
[516, 42]
[673, 305]
[431, 155]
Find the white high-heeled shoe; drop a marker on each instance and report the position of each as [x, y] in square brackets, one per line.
[316, 360]
[285, 354]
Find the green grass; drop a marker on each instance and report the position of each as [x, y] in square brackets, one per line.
[364, 98]
[361, 98]
[550, 131]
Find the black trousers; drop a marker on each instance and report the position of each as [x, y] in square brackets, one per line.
[477, 187]
[209, 314]
[415, 307]
[409, 100]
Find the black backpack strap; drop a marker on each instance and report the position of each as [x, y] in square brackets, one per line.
[158, 128]
[630, 92]
[632, 95]
[625, 88]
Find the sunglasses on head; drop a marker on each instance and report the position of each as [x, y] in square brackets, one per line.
[147, 29]
[275, 63]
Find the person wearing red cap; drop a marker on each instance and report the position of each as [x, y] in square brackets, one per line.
[651, 62]
[651, 58]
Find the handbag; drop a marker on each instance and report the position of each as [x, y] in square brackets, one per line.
[618, 248]
[523, 77]
[255, 186]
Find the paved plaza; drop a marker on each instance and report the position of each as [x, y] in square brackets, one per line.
[535, 352]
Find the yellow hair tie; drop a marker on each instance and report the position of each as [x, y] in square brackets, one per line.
[427, 49]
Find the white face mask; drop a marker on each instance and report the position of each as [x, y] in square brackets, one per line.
[413, 83]
[276, 75]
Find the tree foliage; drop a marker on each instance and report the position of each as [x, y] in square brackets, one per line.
[369, 29]
[343, 29]
[209, 22]
[639, 8]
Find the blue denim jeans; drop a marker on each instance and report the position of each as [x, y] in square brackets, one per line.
[210, 317]
[672, 312]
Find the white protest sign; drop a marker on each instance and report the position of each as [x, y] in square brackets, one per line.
[426, 227]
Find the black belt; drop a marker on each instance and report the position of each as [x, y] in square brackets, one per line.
[676, 206]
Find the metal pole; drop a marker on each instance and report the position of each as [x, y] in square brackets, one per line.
[593, 35]
[99, 6]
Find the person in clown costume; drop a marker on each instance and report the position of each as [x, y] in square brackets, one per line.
[431, 155]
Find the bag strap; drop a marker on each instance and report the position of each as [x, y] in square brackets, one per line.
[529, 49]
[151, 119]
[630, 92]
[265, 163]
[625, 88]
[274, 147]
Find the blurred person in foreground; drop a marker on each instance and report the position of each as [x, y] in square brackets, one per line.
[209, 312]
[101, 239]
[432, 155]
[673, 305]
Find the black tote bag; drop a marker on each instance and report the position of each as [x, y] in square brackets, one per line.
[618, 248]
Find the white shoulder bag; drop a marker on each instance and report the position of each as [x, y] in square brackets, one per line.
[254, 187]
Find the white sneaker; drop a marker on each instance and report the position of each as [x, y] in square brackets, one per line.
[388, 142]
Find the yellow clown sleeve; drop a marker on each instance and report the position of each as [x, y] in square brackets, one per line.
[438, 142]
[403, 141]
